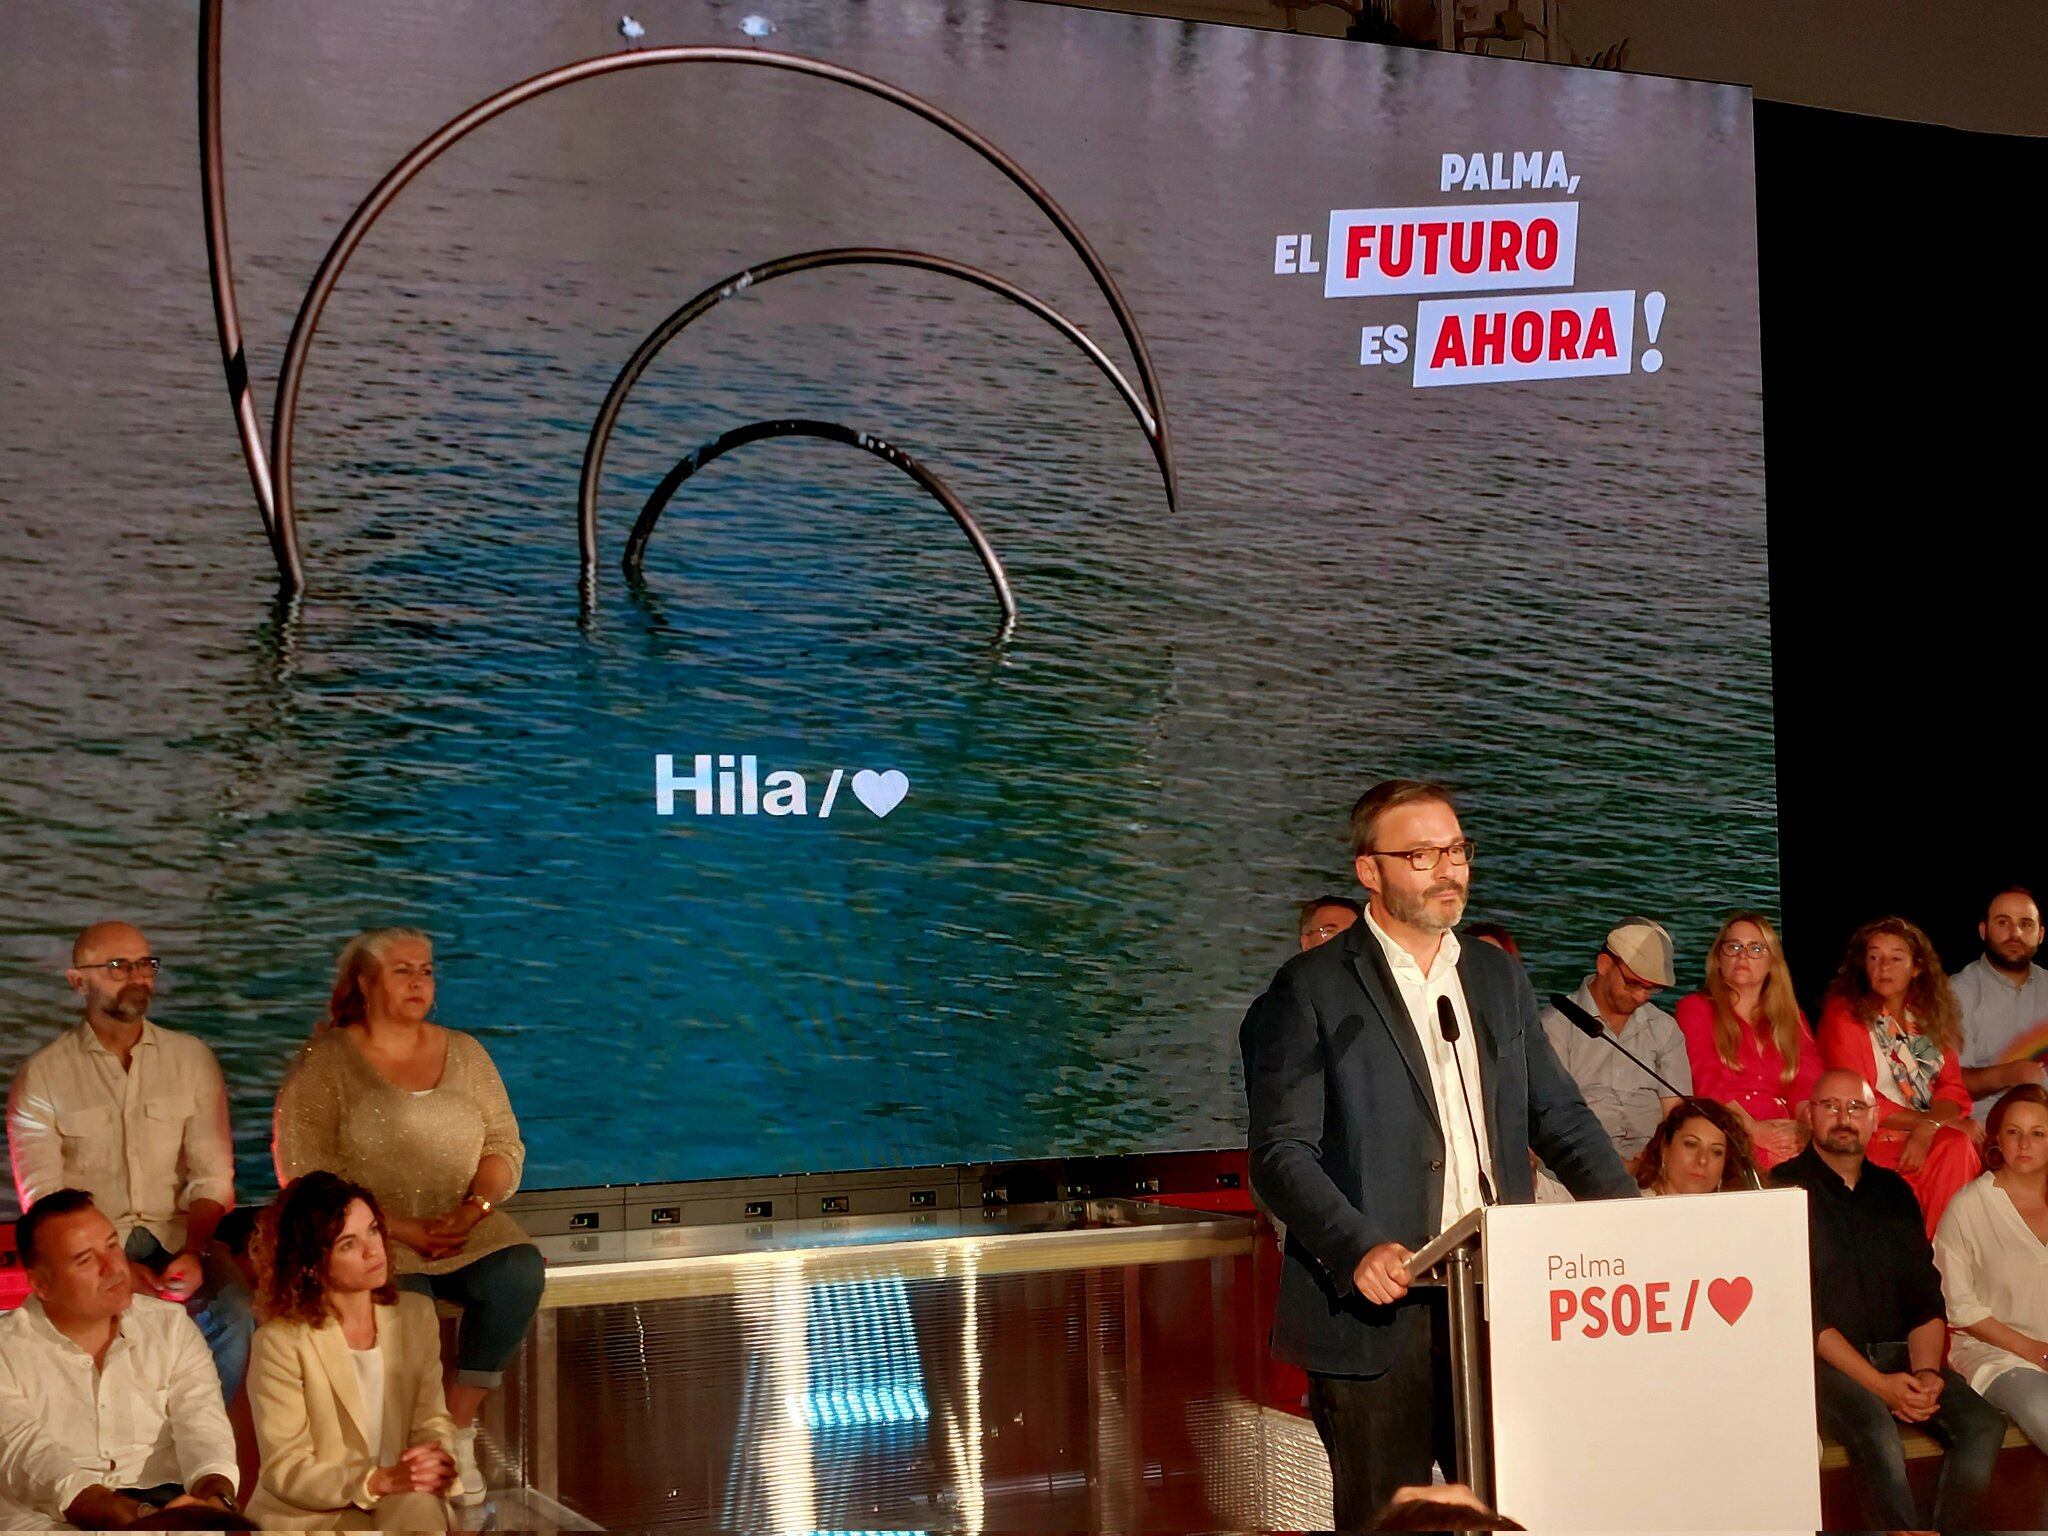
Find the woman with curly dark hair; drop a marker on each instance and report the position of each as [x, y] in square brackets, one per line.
[1892, 1020]
[1700, 1147]
[345, 1374]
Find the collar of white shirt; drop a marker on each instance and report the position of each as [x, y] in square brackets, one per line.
[89, 1038]
[1399, 958]
[39, 1323]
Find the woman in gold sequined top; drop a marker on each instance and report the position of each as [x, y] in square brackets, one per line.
[417, 1114]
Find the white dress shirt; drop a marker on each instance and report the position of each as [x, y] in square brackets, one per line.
[1463, 1156]
[144, 1143]
[1992, 1266]
[152, 1414]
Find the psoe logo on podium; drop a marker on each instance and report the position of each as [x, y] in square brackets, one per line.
[1620, 1307]
[1641, 1349]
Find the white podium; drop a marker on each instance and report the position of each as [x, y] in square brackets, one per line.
[1639, 1365]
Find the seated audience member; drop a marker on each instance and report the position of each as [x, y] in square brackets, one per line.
[2003, 996]
[136, 1115]
[1992, 1250]
[1891, 1019]
[1632, 966]
[1324, 917]
[1698, 1149]
[1497, 935]
[1878, 1320]
[1320, 919]
[110, 1409]
[1749, 1044]
[417, 1114]
[345, 1377]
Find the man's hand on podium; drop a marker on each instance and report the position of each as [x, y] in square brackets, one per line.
[1382, 1275]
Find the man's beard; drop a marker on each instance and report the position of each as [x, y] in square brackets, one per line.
[1418, 913]
[2006, 961]
[1842, 1139]
[130, 1004]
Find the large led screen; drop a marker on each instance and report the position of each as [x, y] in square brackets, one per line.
[1066, 456]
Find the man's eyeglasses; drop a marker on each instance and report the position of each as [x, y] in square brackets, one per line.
[1845, 1107]
[1426, 859]
[1630, 979]
[148, 965]
[1735, 949]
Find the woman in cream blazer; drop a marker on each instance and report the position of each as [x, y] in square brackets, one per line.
[345, 1375]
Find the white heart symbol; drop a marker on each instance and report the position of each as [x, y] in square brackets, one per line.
[880, 792]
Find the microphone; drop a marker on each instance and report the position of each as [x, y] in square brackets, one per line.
[1447, 1022]
[1586, 1024]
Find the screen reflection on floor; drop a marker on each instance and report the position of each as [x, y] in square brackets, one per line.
[1089, 1365]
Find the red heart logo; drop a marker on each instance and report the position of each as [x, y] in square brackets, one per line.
[1730, 1298]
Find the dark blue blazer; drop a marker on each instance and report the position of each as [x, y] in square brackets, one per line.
[1345, 1145]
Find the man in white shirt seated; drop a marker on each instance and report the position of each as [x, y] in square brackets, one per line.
[2004, 997]
[109, 1406]
[136, 1116]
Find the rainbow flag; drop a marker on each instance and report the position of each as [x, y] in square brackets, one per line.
[2028, 1044]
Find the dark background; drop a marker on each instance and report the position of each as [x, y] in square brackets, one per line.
[1902, 331]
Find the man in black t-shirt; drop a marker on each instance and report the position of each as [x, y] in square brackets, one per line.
[1878, 1321]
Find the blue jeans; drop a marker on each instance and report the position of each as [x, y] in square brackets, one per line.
[1966, 1426]
[2022, 1396]
[222, 1306]
[498, 1294]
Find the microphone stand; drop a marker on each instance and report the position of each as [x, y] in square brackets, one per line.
[1586, 1024]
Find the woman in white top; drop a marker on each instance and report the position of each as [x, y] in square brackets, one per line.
[345, 1375]
[1992, 1249]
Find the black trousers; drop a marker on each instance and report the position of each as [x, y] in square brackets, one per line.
[1382, 1432]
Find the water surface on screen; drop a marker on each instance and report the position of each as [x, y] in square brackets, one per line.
[1551, 593]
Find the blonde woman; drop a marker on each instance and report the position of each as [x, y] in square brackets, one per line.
[1749, 1044]
[417, 1114]
[344, 1375]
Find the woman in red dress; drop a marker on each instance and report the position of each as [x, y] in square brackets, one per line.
[1749, 1044]
[1891, 1018]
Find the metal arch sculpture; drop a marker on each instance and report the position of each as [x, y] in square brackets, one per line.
[220, 268]
[282, 522]
[830, 431]
[807, 261]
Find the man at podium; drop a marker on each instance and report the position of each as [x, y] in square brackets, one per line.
[1399, 1080]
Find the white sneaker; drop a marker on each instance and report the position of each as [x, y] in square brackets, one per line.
[469, 1477]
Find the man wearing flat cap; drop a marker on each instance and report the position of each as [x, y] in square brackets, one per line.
[1634, 964]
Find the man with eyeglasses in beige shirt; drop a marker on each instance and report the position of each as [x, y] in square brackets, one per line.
[136, 1115]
